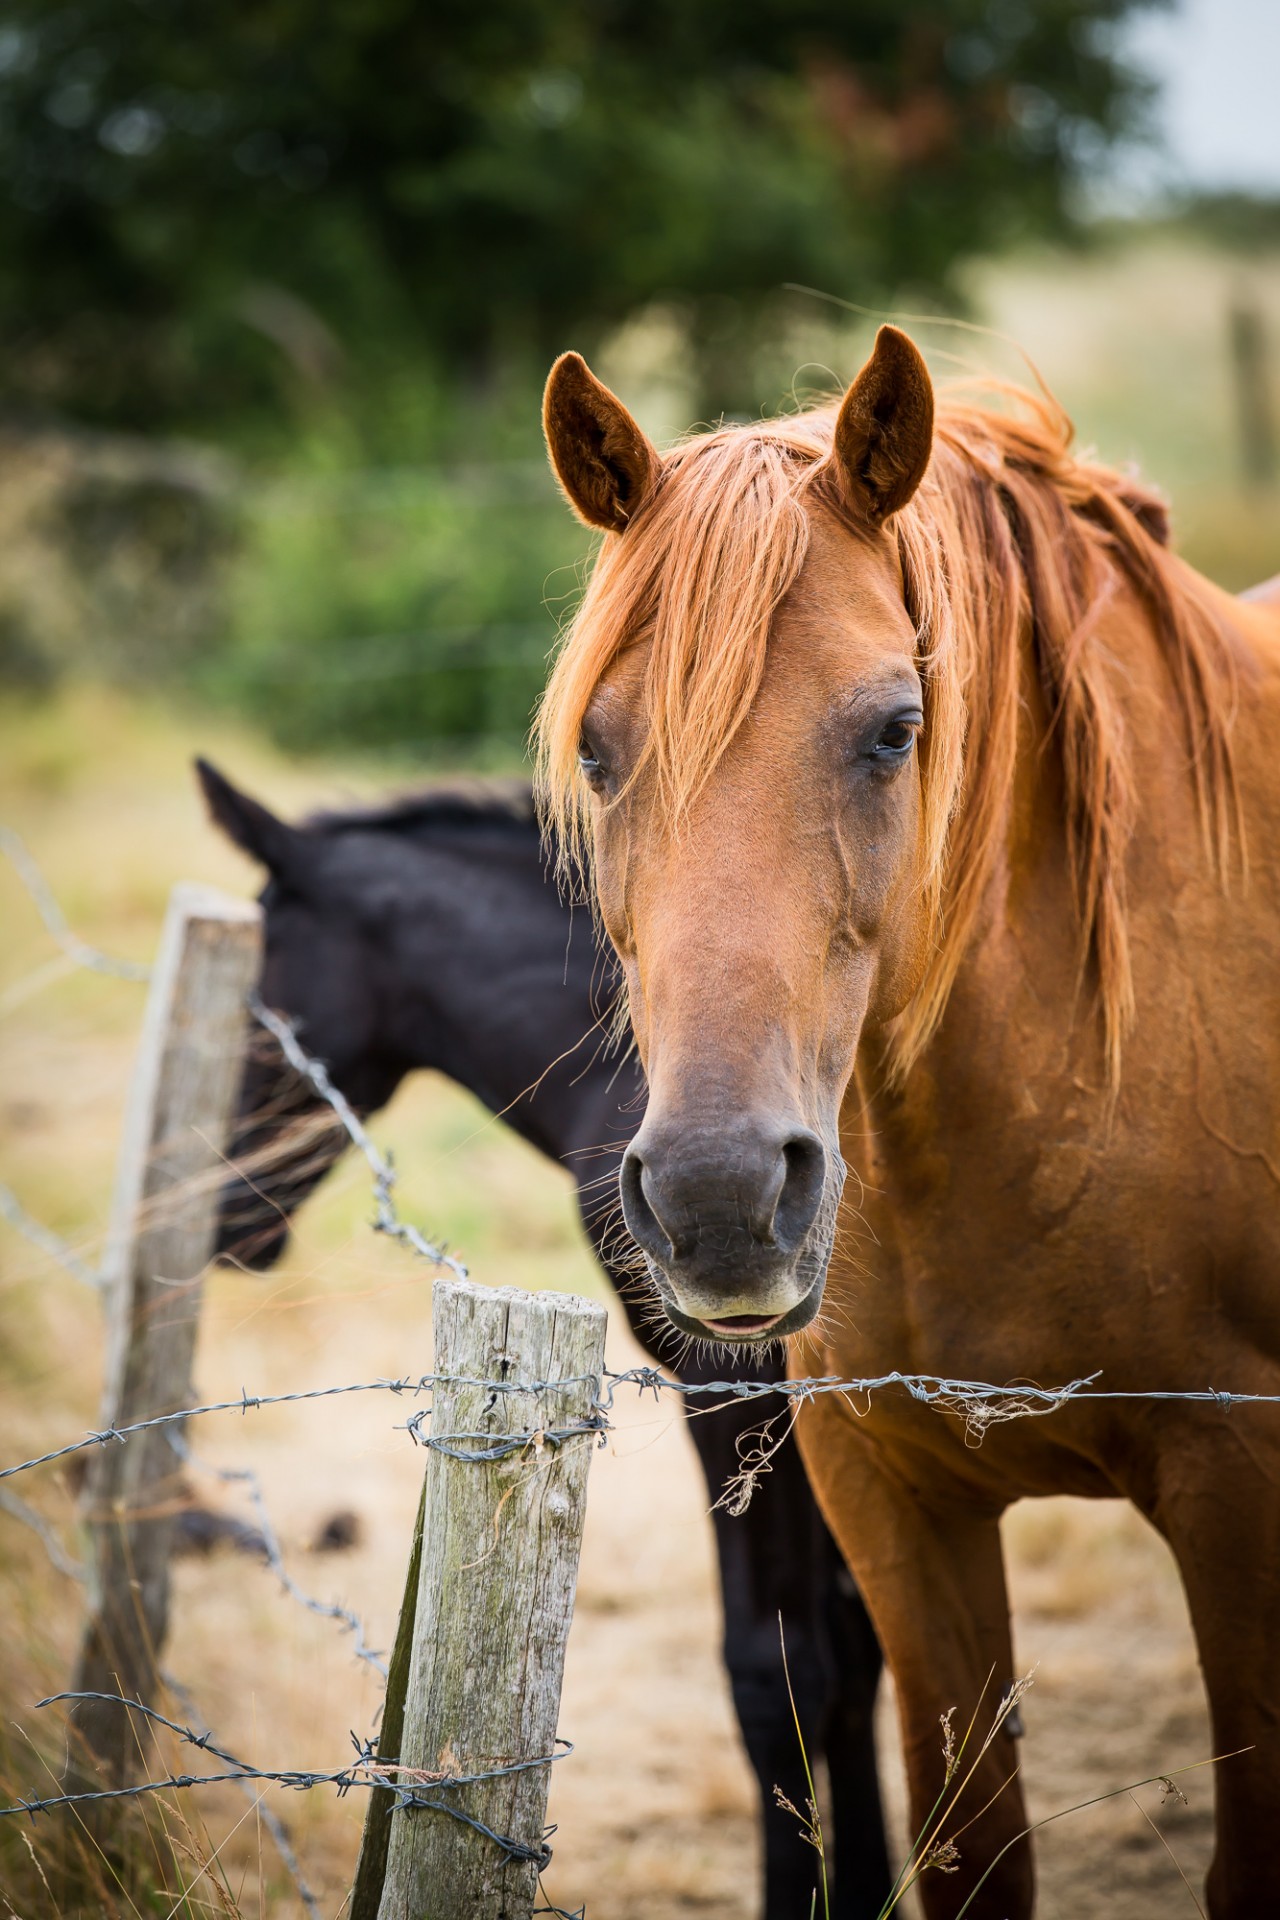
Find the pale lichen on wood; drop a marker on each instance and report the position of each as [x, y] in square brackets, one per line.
[164, 1221]
[493, 1603]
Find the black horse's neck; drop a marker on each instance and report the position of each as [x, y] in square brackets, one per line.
[508, 992]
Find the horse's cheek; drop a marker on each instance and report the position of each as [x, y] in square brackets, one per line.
[891, 905]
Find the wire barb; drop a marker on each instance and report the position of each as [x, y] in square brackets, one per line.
[316, 1074]
[418, 1791]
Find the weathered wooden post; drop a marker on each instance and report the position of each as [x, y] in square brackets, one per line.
[1259, 454]
[162, 1235]
[476, 1673]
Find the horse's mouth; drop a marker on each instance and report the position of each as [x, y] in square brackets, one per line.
[740, 1326]
[740, 1329]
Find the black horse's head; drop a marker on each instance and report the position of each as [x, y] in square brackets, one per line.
[425, 933]
[321, 968]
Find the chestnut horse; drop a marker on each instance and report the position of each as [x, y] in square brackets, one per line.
[932, 801]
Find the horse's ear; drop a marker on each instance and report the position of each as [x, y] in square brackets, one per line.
[604, 462]
[884, 432]
[253, 828]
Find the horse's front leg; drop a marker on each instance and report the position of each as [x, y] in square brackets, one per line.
[1218, 1506]
[933, 1580]
[863, 1877]
[770, 1584]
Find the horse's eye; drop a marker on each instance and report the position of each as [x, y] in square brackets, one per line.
[896, 739]
[589, 763]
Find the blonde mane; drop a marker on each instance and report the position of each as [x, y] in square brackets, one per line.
[1008, 539]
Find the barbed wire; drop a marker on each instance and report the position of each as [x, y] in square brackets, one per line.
[245, 1404]
[12, 844]
[273, 1556]
[413, 1789]
[279, 1833]
[18, 1509]
[979, 1402]
[12, 1210]
[387, 1220]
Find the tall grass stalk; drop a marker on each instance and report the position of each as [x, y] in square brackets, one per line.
[810, 1822]
[1096, 1800]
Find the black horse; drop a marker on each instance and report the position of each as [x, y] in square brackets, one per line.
[428, 934]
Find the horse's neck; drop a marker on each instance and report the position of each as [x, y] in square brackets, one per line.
[1022, 1030]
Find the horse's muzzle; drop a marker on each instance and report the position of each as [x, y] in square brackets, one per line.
[729, 1221]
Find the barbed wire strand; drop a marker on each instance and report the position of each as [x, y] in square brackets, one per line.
[12, 1210]
[273, 1555]
[18, 1509]
[413, 1789]
[279, 1833]
[978, 1401]
[276, 1829]
[12, 844]
[387, 1220]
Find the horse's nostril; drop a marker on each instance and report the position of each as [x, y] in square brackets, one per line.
[638, 1210]
[803, 1182]
[756, 1196]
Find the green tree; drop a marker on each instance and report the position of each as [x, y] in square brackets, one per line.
[184, 181]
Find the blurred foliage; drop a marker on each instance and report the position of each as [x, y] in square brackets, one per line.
[339, 242]
[406, 610]
[202, 203]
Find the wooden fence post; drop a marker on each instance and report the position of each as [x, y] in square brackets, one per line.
[164, 1219]
[1259, 455]
[487, 1611]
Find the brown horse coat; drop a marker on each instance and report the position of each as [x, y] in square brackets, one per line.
[934, 805]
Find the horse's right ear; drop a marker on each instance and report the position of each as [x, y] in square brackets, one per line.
[884, 430]
[253, 828]
[605, 464]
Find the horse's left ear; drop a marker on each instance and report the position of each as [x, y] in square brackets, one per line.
[247, 823]
[604, 462]
[884, 433]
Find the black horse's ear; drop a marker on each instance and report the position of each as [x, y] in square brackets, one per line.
[884, 432]
[252, 827]
[605, 464]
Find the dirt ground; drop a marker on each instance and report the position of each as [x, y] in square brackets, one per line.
[654, 1810]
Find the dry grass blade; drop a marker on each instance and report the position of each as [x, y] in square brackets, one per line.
[811, 1821]
[1165, 1844]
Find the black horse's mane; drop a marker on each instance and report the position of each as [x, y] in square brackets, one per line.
[455, 807]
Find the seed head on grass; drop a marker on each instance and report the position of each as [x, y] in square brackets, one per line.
[810, 1822]
[943, 1856]
[810, 1825]
[949, 1755]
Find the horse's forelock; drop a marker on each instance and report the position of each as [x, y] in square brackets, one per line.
[700, 574]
